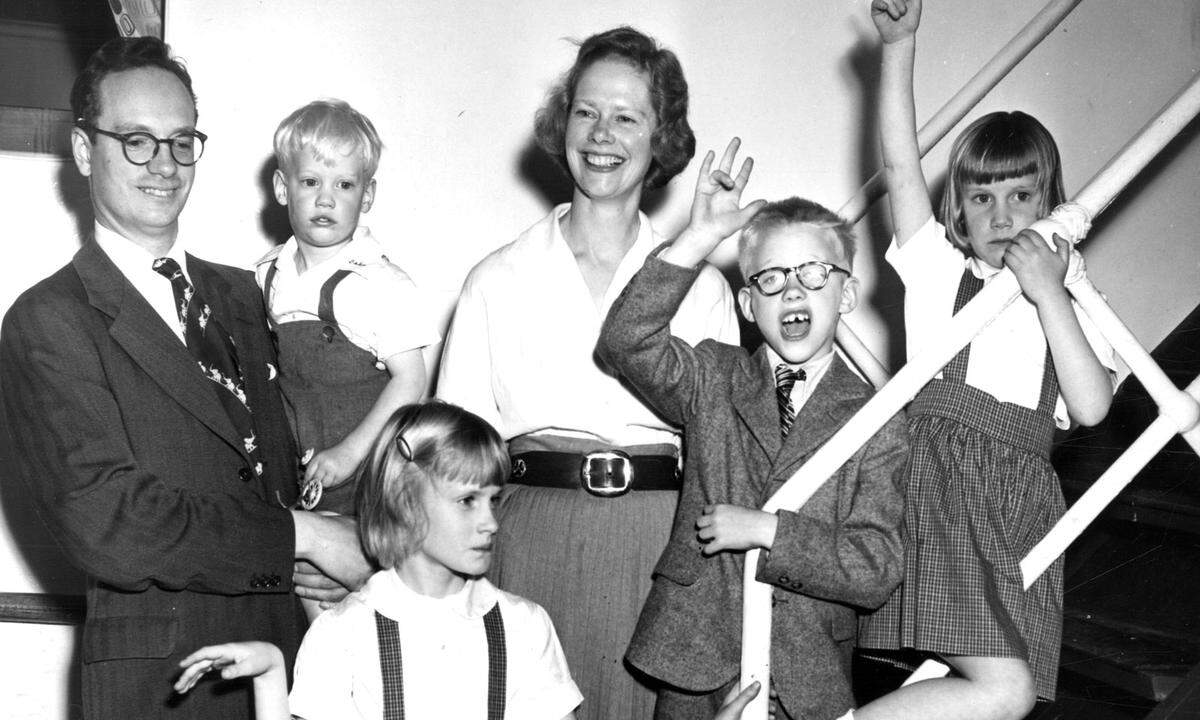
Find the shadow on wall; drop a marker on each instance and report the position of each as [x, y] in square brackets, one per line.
[874, 231]
[75, 195]
[272, 217]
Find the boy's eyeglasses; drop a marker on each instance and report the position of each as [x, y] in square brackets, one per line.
[141, 147]
[813, 275]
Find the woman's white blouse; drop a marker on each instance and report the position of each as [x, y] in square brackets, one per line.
[520, 351]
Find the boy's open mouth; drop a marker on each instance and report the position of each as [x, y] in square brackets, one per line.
[795, 325]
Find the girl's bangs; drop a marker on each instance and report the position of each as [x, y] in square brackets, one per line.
[996, 159]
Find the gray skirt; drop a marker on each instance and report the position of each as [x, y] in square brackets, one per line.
[587, 560]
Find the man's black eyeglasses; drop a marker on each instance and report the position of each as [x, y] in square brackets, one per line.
[812, 275]
[141, 147]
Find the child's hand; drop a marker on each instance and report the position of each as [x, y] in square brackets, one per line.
[332, 466]
[716, 208]
[896, 19]
[1040, 271]
[234, 660]
[731, 527]
[736, 702]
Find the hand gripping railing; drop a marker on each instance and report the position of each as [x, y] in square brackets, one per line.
[933, 131]
[1179, 408]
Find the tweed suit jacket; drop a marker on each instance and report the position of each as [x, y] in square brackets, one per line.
[137, 469]
[834, 558]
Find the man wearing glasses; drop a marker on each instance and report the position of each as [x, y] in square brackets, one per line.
[139, 391]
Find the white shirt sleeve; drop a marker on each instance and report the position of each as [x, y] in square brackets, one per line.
[323, 683]
[541, 683]
[397, 312]
[466, 367]
[707, 311]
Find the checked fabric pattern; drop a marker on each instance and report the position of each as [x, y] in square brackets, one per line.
[785, 379]
[214, 351]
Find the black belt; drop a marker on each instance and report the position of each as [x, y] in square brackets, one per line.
[607, 473]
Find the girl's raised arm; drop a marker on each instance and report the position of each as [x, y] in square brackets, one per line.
[908, 195]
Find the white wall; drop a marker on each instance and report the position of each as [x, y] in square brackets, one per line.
[452, 87]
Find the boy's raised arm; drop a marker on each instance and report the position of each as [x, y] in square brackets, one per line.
[636, 339]
[908, 195]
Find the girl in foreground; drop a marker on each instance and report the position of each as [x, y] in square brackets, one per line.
[428, 636]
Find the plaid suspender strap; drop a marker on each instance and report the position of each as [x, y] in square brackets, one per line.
[392, 668]
[493, 625]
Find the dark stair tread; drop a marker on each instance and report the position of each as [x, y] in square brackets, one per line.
[1137, 660]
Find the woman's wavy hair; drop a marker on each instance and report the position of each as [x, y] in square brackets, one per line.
[673, 143]
[1000, 146]
[421, 444]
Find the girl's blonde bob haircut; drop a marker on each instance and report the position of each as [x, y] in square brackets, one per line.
[1000, 146]
[421, 443]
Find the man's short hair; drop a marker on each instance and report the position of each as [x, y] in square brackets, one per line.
[116, 56]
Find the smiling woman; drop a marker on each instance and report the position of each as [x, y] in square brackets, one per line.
[595, 472]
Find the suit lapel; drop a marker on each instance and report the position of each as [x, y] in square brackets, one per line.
[754, 401]
[837, 397]
[150, 343]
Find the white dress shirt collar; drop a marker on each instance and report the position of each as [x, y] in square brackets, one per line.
[136, 264]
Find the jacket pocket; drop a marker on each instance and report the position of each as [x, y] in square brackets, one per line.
[680, 563]
[118, 638]
[844, 624]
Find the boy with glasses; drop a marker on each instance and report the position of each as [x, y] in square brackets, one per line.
[750, 420]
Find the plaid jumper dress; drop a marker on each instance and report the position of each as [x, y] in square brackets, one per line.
[981, 493]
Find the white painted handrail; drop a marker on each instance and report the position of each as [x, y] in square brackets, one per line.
[955, 109]
[1102, 492]
[995, 296]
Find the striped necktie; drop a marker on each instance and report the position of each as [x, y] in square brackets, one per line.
[785, 380]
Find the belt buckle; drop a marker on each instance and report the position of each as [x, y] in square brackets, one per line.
[607, 473]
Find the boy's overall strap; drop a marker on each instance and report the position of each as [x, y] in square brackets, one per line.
[325, 304]
[392, 668]
[493, 625]
[268, 281]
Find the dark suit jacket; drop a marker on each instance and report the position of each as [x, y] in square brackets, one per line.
[137, 469]
[839, 554]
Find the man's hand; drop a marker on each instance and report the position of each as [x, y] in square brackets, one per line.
[330, 543]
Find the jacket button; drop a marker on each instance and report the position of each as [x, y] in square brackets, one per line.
[785, 580]
[244, 474]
